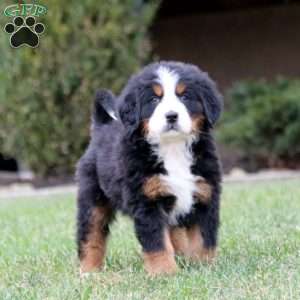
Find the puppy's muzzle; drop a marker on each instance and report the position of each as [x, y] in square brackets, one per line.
[172, 121]
[172, 117]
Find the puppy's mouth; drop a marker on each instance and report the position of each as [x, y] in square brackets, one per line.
[171, 127]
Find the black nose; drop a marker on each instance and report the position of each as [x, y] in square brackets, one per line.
[172, 117]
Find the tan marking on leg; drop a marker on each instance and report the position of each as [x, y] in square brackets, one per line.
[93, 250]
[197, 123]
[204, 191]
[179, 240]
[161, 262]
[197, 251]
[155, 187]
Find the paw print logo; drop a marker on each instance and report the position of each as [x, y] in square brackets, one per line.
[24, 32]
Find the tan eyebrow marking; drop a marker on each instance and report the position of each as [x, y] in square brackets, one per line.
[180, 88]
[157, 89]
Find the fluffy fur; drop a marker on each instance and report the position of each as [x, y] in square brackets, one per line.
[152, 157]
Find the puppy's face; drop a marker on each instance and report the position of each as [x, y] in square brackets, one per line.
[170, 101]
[176, 106]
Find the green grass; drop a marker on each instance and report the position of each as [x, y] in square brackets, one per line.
[259, 253]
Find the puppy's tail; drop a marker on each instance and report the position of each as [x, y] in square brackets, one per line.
[104, 107]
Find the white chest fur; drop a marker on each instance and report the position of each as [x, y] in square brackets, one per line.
[177, 161]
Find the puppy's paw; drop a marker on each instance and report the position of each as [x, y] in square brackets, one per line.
[84, 275]
[159, 263]
[89, 266]
[203, 255]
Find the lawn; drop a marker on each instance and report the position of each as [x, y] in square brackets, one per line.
[259, 254]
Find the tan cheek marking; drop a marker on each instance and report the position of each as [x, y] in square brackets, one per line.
[204, 191]
[155, 187]
[158, 90]
[145, 127]
[197, 251]
[180, 88]
[197, 123]
[161, 262]
[93, 250]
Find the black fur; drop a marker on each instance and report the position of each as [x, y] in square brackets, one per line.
[103, 106]
[119, 159]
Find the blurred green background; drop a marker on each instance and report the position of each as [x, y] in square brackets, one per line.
[46, 93]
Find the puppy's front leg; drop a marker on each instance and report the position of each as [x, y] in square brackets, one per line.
[153, 234]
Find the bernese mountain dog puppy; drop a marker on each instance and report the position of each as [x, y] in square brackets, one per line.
[152, 156]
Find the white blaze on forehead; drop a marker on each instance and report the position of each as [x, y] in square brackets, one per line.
[168, 80]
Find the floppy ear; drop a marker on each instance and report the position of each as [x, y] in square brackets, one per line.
[211, 99]
[129, 111]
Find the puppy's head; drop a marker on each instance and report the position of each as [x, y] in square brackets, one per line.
[170, 100]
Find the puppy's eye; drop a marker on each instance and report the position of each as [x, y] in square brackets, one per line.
[183, 97]
[155, 100]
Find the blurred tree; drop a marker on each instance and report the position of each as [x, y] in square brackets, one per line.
[45, 93]
[263, 121]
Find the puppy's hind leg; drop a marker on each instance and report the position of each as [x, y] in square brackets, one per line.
[202, 236]
[179, 239]
[93, 217]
